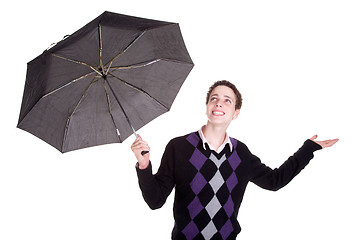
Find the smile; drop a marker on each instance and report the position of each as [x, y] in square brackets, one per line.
[218, 113]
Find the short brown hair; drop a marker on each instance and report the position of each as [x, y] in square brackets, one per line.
[226, 83]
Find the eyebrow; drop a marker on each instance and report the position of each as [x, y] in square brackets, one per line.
[226, 96]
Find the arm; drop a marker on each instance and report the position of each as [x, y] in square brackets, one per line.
[274, 179]
[155, 188]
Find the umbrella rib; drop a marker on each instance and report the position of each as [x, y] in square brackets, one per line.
[78, 62]
[101, 48]
[113, 59]
[67, 84]
[140, 90]
[135, 65]
[112, 117]
[77, 105]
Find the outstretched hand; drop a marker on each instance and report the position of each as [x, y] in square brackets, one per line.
[325, 143]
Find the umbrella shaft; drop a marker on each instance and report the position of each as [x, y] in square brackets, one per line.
[127, 118]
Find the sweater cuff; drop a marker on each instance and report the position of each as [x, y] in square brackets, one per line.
[306, 152]
[144, 172]
[137, 166]
[311, 145]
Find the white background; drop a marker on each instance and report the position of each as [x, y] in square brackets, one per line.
[296, 64]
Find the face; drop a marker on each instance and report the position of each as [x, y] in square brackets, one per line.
[221, 106]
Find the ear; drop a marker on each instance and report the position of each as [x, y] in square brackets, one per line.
[236, 114]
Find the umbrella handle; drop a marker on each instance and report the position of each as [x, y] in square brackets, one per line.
[144, 152]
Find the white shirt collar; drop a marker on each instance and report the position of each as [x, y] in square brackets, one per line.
[222, 146]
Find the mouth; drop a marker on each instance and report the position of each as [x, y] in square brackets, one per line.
[218, 113]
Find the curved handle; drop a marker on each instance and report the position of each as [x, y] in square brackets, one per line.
[144, 152]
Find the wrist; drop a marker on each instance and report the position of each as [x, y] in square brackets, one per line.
[143, 165]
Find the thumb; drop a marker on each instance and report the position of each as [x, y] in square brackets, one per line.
[313, 137]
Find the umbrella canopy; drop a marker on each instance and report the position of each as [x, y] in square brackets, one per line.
[100, 84]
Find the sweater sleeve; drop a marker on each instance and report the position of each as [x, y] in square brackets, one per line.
[274, 179]
[156, 188]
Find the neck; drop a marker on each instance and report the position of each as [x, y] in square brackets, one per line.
[215, 135]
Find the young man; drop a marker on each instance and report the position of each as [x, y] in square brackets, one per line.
[210, 171]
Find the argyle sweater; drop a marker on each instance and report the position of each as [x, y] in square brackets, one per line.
[209, 187]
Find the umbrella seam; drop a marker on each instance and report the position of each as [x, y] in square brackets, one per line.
[149, 63]
[49, 93]
[136, 39]
[140, 90]
[109, 107]
[69, 117]
[165, 25]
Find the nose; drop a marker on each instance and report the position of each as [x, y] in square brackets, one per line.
[218, 104]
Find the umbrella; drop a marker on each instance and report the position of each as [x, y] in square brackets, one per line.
[104, 82]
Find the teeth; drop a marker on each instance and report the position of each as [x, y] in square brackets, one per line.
[218, 113]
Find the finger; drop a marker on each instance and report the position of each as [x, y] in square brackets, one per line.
[330, 143]
[145, 148]
[140, 146]
[137, 146]
[138, 141]
[313, 137]
[139, 137]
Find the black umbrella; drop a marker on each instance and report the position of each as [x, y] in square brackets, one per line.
[104, 82]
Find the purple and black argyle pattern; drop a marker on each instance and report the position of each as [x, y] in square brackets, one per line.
[212, 208]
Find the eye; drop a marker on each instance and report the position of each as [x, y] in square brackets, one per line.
[212, 99]
[228, 101]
